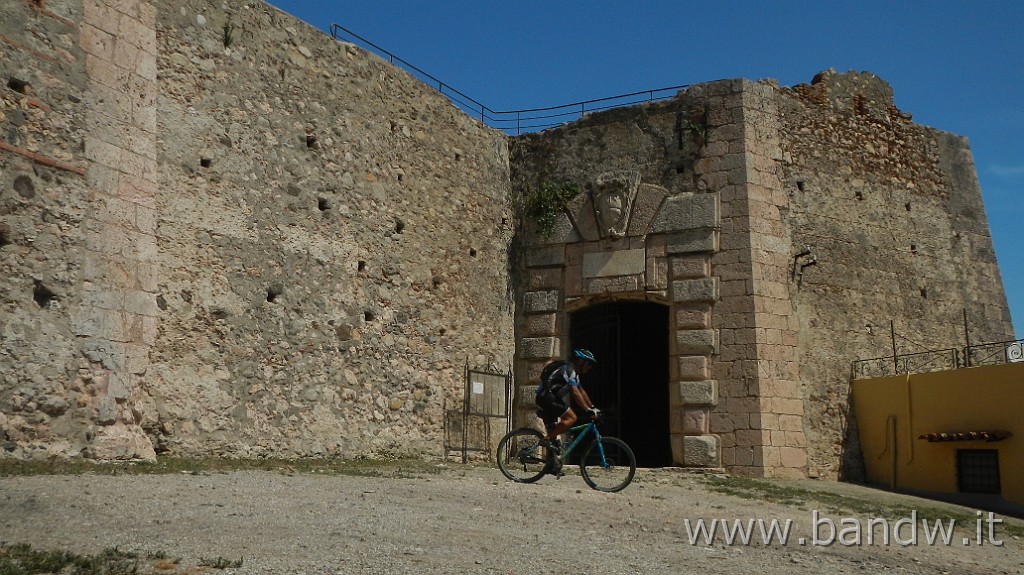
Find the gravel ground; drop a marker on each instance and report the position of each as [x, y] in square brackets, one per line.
[461, 519]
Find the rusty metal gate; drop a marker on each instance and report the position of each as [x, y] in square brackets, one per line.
[482, 419]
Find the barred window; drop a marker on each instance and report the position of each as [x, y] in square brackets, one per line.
[977, 470]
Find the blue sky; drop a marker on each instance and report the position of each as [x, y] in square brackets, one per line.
[956, 66]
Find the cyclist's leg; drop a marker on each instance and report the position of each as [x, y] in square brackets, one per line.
[565, 421]
[552, 408]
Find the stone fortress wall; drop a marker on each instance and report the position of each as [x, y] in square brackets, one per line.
[222, 232]
[280, 246]
[782, 229]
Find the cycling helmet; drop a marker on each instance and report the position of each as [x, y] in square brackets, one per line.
[583, 354]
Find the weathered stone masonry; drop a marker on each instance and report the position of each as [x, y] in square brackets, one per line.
[223, 233]
[303, 262]
[81, 234]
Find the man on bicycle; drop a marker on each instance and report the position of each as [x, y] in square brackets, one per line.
[561, 387]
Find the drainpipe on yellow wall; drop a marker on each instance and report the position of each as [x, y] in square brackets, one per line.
[910, 422]
[890, 439]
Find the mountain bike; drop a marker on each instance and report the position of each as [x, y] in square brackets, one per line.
[607, 463]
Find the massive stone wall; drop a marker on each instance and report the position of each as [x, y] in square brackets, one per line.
[303, 262]
[887, 225]
[333, 238]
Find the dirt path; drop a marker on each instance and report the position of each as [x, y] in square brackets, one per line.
[467, 519]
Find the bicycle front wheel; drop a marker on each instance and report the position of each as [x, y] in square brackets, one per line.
[608, 465]
[521, 458]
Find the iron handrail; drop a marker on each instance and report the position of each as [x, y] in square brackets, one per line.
[494, 118]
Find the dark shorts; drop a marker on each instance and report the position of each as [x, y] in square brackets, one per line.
[553, 405]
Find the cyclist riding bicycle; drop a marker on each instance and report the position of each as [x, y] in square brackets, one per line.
[560, 388]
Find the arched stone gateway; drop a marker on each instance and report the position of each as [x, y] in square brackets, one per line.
[626, 273]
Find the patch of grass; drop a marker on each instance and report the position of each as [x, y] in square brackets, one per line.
[22, 559]
[749, 488]
[392, 468]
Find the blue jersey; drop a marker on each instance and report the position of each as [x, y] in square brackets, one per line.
[561, 380]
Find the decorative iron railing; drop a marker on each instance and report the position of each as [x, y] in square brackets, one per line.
[995, 353]
[940, 360]
[922, 362]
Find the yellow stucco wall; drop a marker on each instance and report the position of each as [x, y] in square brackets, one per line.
[893, 412]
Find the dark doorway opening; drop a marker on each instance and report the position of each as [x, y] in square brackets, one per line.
[630, 382]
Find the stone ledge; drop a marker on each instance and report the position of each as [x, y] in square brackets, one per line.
[696, 450]
[687, 212]
[538, 347]
[695, 342]
[693, 242]
[695, 290]
[692, 393]
[617, 263]
[537, 257]
[540, 301]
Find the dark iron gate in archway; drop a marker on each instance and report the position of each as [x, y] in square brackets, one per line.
[630, 382]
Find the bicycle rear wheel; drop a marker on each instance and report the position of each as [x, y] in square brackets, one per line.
[521, 458]
[612, 472]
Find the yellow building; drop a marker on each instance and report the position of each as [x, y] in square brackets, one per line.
[955, 434]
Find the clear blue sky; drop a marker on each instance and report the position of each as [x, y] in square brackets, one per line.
[956, 66]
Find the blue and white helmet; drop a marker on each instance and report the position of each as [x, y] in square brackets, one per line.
[580, 353]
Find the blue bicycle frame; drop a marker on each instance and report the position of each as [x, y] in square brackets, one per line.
[580, 432]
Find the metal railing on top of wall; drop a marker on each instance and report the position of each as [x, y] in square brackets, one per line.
[512, 122]
[940, 360]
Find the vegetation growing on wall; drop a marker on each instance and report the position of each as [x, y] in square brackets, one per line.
[545, 203]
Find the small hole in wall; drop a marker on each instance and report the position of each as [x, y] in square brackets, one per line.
[322, 204]
[369, 315]
[458, 157]
[924, 293]
[273, 292]
[5, 235]
[205, 162]
[913, 248]
[310, 140]
[860, 195]
[907, 205]
[42, 295]
[472, 252]
[361, 266]
[800, 185]
[19, 86]
[399, 226]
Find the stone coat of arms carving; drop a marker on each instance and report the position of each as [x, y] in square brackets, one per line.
[613, 200]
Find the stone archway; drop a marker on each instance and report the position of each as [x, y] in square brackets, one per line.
[631, 381]
[629, 242]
